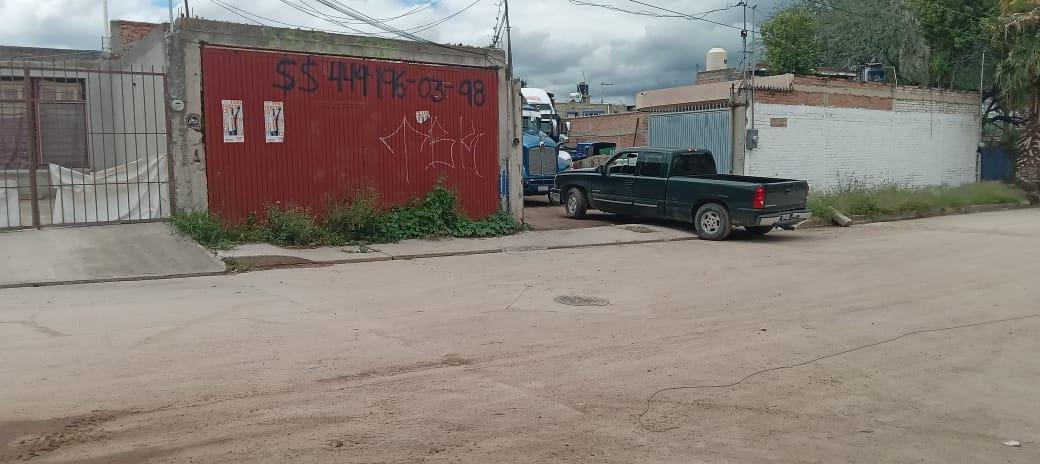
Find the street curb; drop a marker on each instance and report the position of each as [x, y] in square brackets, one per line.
[972, 209]
[269, 262]
[56, 283]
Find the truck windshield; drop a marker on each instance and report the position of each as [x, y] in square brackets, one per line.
[546, 125]
[532, 124]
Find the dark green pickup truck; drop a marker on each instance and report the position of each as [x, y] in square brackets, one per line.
[682, 184]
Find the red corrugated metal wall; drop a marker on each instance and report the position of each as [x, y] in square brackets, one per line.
[349, 123]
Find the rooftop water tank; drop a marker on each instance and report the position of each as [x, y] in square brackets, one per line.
[716, 60]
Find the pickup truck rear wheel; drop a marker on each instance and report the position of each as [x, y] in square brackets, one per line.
[712, 222]
[575, 204]
[759, 230]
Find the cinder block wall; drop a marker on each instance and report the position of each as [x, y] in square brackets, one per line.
[908, 138]
[624, 129]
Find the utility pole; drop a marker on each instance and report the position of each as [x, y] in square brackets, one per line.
[743, 37]
[509, 44]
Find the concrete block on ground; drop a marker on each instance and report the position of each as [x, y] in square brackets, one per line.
[840, 219]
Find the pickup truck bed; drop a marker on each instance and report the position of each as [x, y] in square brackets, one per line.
[682, 184]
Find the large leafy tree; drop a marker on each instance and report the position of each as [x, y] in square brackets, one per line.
[791, 42]
[854, 32]
[1016, 38]
[955, 33]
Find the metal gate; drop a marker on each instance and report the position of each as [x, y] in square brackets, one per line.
[82, 143]
[711, 129]
[306, 130]
[996, 163]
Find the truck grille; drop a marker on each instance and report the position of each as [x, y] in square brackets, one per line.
[541, 161]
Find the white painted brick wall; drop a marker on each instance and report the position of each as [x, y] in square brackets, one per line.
[916, 146]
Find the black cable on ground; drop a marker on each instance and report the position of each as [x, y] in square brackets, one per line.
[650, 399]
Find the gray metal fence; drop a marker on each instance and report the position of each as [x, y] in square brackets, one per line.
[82, 143]
[711, 129]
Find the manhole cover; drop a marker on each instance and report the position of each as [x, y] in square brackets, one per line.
[640, 229]
[575, 300]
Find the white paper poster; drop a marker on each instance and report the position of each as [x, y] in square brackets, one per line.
[234, 129]
[274, 121]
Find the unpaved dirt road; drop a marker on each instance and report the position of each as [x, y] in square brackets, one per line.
[470, 360]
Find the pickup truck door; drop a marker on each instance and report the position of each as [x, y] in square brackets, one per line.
[613, 191]
[649, 187]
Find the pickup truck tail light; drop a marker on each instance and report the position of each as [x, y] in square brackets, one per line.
[759, 201]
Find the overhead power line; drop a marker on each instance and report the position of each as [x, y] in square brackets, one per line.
[353, 13]
[257, 19]
[649, 13]
[346, 19]
[408, 33]
[433, 24]
[311, 11]
[671, 13]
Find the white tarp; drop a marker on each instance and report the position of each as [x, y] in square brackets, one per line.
[134, 191]
[10, 215]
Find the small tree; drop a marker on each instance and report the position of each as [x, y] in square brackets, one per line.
[792, 46]
[1016, 37]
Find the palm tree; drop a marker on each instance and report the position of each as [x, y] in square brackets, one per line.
[1016, 37]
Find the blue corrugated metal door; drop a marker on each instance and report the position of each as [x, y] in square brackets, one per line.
[699, 129]
[996, 164]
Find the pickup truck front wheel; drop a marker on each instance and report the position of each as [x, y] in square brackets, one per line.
[575, 204]
[712, 222]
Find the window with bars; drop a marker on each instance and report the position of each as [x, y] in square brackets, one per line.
[61, 115]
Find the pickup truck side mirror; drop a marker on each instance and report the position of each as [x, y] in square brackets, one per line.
[602, 169]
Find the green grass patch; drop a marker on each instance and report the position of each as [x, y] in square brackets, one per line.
[888, 201]
[356, 220]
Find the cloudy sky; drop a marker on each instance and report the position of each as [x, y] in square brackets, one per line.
[555, 42]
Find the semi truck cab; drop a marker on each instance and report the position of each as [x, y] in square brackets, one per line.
[541, 155]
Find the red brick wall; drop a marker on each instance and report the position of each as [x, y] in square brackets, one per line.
[780, 97]
[131, 32]
[624, 129]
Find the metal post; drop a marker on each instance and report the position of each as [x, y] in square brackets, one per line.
[509, 45]
[187, 12]
[982, 70]
[170, 4]
[982, 117]
[34, 144]
[106, 34]
[603, 91]
[753, 66]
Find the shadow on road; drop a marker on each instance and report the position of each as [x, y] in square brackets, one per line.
[539, 214]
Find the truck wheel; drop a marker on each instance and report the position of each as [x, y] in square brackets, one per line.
[712, 222]
[759, 230]
[575, 204]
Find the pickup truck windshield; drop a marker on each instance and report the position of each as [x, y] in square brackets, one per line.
[693, 164]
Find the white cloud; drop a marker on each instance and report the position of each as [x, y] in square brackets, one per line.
[554, 41]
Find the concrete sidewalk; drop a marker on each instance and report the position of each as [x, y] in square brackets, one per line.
[100, 254]
[263, 255]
